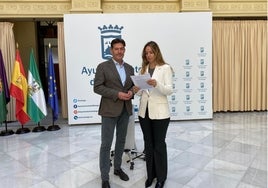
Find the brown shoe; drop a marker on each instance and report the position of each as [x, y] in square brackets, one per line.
[122, 175]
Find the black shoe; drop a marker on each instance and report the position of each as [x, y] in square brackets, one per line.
[148, 183]
[160, 184]
[121, 174]
[105, 184]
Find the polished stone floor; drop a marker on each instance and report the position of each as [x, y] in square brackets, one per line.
[229, 151]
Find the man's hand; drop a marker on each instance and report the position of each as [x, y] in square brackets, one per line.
[125, 96]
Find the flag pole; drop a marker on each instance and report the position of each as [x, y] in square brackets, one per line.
[36, 104]
[53, 127]
[53, 102]
[21, 130]
[39, 128]
[4, 97]
[7, 132]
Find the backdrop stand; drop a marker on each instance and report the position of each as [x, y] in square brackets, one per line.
[6, 132]
[39, 128]
[22, 130]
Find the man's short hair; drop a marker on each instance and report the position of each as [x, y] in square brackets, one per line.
[118, 40]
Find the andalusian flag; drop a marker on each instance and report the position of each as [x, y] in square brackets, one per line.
[36, 103]
[18, 90]
[4, 92]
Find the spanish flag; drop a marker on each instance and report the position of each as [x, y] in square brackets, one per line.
[18, 90]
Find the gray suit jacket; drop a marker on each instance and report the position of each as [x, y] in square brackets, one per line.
[107, 83]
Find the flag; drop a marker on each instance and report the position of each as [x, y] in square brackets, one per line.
[52, 87]
[18, 90]
[36, 103]
[4, 92]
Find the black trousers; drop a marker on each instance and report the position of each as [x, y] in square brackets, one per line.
[154, 135]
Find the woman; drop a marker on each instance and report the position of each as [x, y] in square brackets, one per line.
[154, 115]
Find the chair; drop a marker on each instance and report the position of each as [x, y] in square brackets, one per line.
[130, 146]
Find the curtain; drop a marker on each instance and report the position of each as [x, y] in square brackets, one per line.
[7, 46]
[62, 70]
[239, 63]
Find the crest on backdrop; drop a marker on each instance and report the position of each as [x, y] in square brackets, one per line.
[108, 33]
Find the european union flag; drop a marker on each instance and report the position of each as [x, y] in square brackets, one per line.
[52, 87]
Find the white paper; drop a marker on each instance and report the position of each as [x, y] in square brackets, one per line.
[141, 81]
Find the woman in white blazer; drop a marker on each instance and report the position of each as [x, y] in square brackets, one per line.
[154, 114]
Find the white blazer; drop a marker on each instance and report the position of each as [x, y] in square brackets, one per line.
[156, 98]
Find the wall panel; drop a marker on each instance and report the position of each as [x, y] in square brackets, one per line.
[57, 8]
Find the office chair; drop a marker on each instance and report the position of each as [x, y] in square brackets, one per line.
[130, 146]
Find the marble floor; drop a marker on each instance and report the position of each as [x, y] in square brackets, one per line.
[229, 151]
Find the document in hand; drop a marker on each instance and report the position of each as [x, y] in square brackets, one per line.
[141, 81]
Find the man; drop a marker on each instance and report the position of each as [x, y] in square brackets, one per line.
[113, 83]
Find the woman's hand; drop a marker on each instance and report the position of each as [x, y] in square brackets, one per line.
[152, 82]
[135, 89]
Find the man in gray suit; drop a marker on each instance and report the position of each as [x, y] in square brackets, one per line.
[113, 83]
